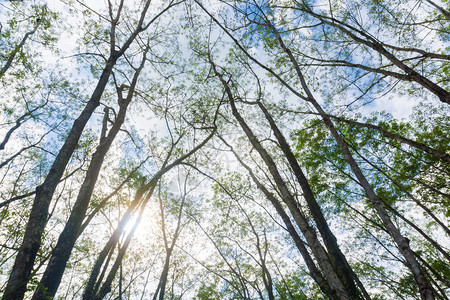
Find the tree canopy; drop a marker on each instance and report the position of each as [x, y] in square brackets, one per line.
[225, 149]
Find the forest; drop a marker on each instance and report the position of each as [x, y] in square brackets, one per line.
[225, 149]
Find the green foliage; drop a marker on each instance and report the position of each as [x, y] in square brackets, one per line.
[292, 287]
[228, 231]
[208, 293]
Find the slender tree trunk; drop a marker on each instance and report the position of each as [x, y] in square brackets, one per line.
[443, 11]
[92, 284]
[25, 258]
[61, 253]
[314, 271]
[311, 265]
[345, 272]
[161, 289]
[426, 291]
[106, 287]
[66, 241]
[31, 243]
[309, 233]
[90, 288]
[419, 203]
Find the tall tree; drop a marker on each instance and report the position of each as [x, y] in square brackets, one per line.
[24, 261]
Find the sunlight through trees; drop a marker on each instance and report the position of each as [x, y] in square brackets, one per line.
[203, 149]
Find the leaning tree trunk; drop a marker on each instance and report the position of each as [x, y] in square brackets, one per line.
[93, 283]
[90, 288]
[106, 287]
[426, 291]
[31, 243]
[311, 265]
[345, 272]
[23, 264]
[309, 232]
[66, 241]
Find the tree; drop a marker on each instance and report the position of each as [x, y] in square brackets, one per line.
[35, 226]
[224, 149]
[261, 15]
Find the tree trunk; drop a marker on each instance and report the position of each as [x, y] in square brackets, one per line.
[31, 243]
[106, 287]
[426, 291]
[345, 272]
[61, 253]
[66, 241]
[90, 290]
[314, 272]
[309, 233]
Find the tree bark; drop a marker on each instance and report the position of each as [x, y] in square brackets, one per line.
[426, 291]
[66, 241]
[309, 233]
[314, 271]
[31, 243]
[25, 258]
[345, 272]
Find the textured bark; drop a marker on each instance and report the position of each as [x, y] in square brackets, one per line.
[426, 291]
[66, 241]
[61, 253]
[25, 258]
